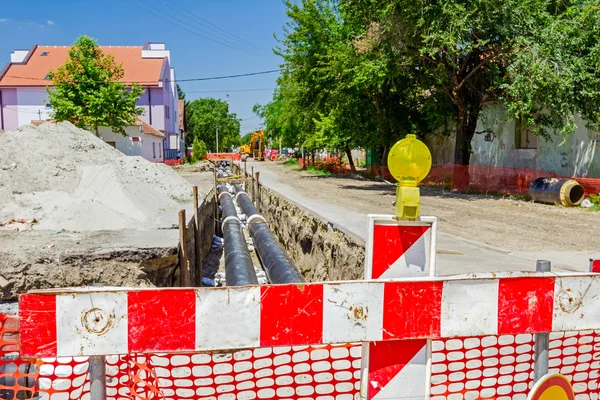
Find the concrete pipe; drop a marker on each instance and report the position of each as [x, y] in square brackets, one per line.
[566, 192]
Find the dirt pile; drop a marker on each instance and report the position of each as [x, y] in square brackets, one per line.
[68, 179]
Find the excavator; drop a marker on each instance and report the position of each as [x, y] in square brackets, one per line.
[256, 147]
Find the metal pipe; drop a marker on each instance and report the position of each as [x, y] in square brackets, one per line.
[97, 371]
[239, 270]
[280, 268]
[541, 340]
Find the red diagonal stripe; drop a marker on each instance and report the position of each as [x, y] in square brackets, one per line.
[387, 359]
[37, 318]
[291, 314]
[390, 242]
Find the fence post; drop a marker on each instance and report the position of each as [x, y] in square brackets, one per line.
[215, 193]
[183, 264]
[541, 340]
[245, 178]
[196, 238]
[258, 206]
[97, 372]
[252, 183]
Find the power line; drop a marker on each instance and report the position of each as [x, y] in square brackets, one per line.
[196, 31]
[229, 91]
[197, 17]
[211, 78]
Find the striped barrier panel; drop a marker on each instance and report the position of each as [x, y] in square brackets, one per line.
[105, 321]
[398, 249]
[223, 156]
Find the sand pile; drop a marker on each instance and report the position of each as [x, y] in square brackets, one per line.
[67, 178]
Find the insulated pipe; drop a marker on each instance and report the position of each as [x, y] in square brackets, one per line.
[278, 265]
[239, 270]
[567, 192]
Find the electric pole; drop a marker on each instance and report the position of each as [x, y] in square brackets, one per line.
[217, 138]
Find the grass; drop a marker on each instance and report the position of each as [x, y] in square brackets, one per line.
[311, 169]
[292, 162]
[595, 199]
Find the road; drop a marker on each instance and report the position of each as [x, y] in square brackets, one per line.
[515, 251]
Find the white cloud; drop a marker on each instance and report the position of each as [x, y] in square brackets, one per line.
[50, 22]
[3, 19]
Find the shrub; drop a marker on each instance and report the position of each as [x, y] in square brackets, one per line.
[198, 150]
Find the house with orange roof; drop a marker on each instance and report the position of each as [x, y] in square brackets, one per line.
[23, 96]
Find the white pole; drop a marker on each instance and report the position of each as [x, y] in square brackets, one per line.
[217, 138]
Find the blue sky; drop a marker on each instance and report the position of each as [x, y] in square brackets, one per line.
[194, 55]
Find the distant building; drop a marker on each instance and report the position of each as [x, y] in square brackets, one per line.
[24, 80]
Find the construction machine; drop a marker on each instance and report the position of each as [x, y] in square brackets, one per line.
[257, 145]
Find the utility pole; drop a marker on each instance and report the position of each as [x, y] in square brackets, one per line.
[217, 139]
[40, 115]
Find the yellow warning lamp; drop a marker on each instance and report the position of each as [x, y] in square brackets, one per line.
[409, 162]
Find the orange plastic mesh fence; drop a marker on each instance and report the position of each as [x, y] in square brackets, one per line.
[491, 367]
[17, 378]
[498, 179]
[501, 367]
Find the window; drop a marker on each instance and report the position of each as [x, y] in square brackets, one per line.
[48, 106]
[44, 53]
[524, 136]
[153, 150]
[113, 144]
[167, 112]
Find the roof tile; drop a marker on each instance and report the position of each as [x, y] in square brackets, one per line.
[145, 71]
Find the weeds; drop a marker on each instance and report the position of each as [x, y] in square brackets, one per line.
[311, 169]
[291, 162]
[595, 199]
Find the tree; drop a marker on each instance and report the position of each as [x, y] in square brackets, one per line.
[203, 116]
[89, 92]
[246, 138]
[368, 72]
[180, 93]
[198, 150]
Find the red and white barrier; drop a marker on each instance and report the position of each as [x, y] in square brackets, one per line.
[116, 321]
[398, 249]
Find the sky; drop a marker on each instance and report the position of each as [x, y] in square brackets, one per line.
[207, 38]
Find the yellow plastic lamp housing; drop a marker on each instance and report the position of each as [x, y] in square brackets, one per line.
[409, 162]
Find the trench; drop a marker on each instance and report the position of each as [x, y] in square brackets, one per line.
[320, 250]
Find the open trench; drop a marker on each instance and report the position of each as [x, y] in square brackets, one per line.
[268, 239]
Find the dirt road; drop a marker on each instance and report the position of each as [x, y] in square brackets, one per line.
[516, 225]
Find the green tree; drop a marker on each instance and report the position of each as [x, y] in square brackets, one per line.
[89, 92]
[204, 115]
[198, 150]
[246, 138]
[180, 93]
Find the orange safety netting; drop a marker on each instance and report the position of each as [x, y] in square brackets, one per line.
[498, 179]
[17, 378]
[498, 367]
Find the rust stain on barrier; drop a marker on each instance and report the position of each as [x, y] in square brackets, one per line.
[96, 321]
[569, 301]
[359, 313]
